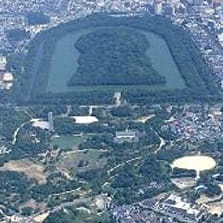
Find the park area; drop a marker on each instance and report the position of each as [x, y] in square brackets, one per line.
[74, 162]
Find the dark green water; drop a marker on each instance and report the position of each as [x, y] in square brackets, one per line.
[64, 64]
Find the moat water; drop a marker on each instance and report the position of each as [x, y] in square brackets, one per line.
[64, 62]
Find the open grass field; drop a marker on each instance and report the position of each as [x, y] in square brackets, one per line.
[79, 161]
[67, 141]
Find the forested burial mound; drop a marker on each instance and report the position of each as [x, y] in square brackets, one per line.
[114, 56]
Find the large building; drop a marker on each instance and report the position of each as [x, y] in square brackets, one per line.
[126, 136]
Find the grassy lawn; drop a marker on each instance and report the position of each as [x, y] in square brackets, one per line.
[79, 161]
[67, 141]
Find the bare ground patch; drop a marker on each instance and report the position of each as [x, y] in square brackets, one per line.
[28, 167]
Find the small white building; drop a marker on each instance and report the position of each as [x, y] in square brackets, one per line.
[3, 63]
[8, 80]
[8, 77]
[220, 38]
[158, 7]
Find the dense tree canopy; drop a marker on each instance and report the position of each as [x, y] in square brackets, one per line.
[112, 56]
[37, 18]
[73, 216]
[17, 34]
